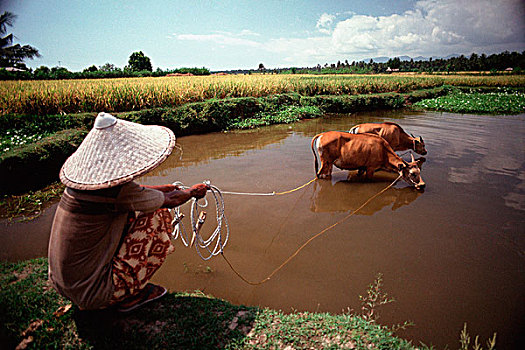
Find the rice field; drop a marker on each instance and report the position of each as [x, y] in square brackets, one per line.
[118, 95]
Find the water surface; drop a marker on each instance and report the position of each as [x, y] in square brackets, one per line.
[449, 255]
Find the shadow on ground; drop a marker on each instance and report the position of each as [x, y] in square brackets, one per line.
[175, 322]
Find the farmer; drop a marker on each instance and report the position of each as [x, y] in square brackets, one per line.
[109, 234]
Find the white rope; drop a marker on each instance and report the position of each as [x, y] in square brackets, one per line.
[217, 239]
[250, 193]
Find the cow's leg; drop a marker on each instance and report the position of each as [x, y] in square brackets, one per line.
[326, 170]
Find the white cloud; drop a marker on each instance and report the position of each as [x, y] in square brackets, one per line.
[431, 28]
[222, 38]
[324, 23]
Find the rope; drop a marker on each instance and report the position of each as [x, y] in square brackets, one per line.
[220, 241]
[269, 193]
[307, 242]
[217, 238]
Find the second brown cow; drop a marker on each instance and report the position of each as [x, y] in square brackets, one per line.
[364, 152]
[394, 134]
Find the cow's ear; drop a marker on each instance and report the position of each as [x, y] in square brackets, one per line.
[401, 166]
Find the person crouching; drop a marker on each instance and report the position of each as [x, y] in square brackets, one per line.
[110, 234]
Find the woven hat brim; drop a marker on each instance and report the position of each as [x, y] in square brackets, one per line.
[117, 155]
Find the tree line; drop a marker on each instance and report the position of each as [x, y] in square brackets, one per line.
[105, 71]
[512, 61]
[12, 64]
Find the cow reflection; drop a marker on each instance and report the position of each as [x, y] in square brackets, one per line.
[348, 195]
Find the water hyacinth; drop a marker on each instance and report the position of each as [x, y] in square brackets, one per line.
[511, 102]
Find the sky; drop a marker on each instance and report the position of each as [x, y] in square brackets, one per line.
[228, 34]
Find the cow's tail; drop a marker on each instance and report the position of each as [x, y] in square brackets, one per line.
[316, 164]
[354, 130]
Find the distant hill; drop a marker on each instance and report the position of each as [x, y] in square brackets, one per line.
[384, 59]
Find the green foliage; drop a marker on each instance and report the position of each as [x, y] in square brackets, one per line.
[29, 206]
[93, 68]
[375, 297]
[138, 62]
[505, 101]
[103, 72]
[350, 104]
[35, 165]
[13, 55]
[482, 64]
[16, 138]
[286, 115]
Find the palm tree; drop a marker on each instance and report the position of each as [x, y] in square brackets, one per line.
[12, 55]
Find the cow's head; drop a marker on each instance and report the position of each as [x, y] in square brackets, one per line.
[411, 172]
[419, 145]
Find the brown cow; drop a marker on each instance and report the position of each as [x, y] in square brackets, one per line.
[398, 139]
[363, 152]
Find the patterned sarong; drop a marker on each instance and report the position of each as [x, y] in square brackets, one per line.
[143, 250]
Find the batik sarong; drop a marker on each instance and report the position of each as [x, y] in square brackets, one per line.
[143, 250]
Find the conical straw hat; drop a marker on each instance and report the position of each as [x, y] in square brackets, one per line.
[114, 152]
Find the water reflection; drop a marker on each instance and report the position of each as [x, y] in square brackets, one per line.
[348, 195]
[482, 151]
[202, 149]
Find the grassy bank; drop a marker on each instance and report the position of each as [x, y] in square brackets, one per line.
[32, 313]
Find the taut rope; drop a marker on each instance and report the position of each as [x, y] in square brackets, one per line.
[308, 241]
[220, 242]
[270, 193]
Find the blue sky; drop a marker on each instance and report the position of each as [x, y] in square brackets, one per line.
[226, 34]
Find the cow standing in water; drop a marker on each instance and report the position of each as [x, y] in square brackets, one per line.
[363, 152]
[396, 137]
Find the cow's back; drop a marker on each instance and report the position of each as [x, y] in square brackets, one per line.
[351, 151]
[362, 150]
[391, 132]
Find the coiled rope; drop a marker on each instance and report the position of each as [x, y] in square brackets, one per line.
[222, 222]
[218, 238]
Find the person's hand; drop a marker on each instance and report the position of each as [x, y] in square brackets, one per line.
[199, 190]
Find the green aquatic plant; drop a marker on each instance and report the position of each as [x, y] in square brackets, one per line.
[504, 101]
[284, 115]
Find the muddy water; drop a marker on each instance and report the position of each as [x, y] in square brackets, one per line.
[450, 255]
